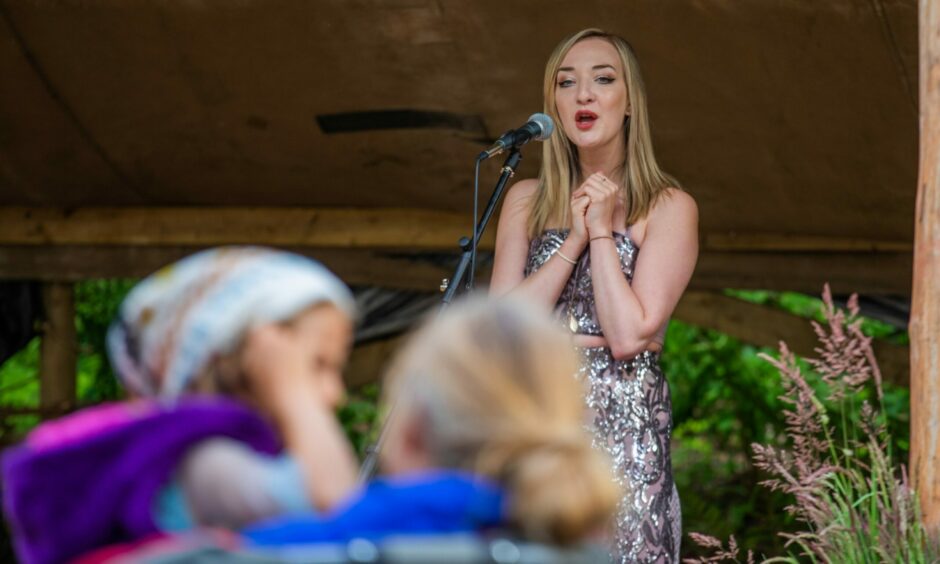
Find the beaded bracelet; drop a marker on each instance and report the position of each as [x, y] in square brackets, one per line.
[564, 258]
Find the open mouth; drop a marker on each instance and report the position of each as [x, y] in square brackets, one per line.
[584, 119]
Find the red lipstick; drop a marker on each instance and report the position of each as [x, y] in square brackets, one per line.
[584, 119]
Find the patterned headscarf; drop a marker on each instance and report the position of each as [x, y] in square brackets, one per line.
[173, 322]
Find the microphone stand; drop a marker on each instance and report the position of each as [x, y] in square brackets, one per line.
[463, 276]
[469, 246]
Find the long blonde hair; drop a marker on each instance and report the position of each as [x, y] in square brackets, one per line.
[496, 382]
[644, 181]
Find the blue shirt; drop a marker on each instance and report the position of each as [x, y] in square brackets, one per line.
[436, 502]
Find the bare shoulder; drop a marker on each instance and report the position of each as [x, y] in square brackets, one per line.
[674, 205]
[519, 197]
[522, 190]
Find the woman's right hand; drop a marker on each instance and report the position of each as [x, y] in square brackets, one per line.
[579, 206]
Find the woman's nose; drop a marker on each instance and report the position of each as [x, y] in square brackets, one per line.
[585, 92]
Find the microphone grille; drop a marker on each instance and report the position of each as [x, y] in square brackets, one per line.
[545, 124]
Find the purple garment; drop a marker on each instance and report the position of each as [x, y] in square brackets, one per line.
[89, 480]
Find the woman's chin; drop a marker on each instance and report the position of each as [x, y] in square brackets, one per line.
[588, 141]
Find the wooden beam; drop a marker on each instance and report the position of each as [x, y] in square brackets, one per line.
[925, 306]
[58, 348]
[766, 326]
[750, 242]
[354, 266]
[378, 228]
[385, 228]
[881, 273]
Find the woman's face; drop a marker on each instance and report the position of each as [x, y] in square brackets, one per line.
[591, 94]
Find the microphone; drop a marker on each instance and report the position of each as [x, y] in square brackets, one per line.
[538, 128]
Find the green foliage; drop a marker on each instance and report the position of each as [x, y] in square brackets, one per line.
[19, 388]
[358, 417]
[724, 398]
[96, 305]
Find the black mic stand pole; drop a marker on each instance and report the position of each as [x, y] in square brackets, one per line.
[450, 287]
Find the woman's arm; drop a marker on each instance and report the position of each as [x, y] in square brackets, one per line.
[631, 315]
[512, 249]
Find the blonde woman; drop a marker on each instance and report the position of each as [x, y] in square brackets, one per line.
[572, 239]
[487, 434]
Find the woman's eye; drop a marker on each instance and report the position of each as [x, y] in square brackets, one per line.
[565, 82]
[605, 79]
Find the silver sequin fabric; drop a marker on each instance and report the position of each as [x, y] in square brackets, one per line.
[631, 411]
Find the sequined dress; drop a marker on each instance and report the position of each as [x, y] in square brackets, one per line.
[632, 413]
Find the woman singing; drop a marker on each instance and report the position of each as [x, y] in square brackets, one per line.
[572, 240]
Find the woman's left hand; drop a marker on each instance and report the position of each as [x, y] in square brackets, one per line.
[604, 194]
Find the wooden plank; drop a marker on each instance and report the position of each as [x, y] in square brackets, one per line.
[875, 273]
[925, 305]
[356, 267]
[58, 352]
[795, 243]
[766, 326]
[384, 228]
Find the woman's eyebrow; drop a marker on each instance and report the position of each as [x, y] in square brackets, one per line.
[595, 67]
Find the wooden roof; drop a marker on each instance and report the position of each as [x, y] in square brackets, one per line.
[792, 122]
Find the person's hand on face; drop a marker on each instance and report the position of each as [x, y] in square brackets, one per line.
[603, 195]
[291, 365]
[277, 367]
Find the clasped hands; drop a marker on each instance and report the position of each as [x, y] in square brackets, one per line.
[592, 208]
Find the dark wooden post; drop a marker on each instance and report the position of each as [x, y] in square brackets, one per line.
[925, 308]
[57, 363]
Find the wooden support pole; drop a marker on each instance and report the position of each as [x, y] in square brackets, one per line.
[58, 350]
[925, 307]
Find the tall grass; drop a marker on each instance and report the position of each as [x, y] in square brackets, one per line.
[851, 496]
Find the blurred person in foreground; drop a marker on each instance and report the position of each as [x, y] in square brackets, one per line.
[486, 432]
[232, 360]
